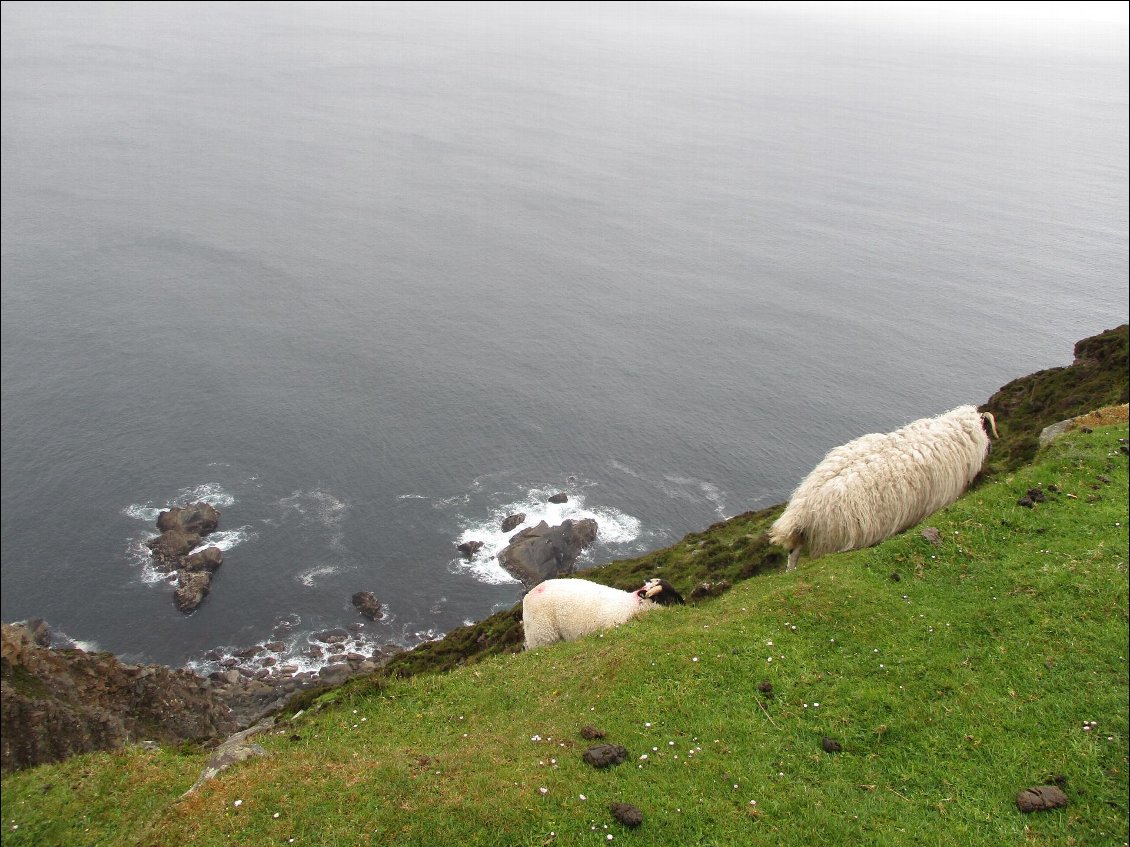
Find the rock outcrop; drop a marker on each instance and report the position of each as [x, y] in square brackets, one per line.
[57, 703]
[513, 521]
[542, 552]
[367, 604]
[182, 530]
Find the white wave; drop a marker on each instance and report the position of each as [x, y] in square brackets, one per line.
[310, 576]
[226, 539]
[209, 492]
[140, 512]
[705, 491]
[411, 497]
[317, 505]
[613, 527]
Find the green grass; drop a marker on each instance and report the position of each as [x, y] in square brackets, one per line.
[951, 689]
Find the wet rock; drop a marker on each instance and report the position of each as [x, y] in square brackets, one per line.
[626, 814]
[559, 497]
[333, 674]
[331, 636]
[605, 755]
[542, 552]
[470, 548]
[591, 732]
[170, 547]
[830, 745]
[1041, 798]
[367, 604]
[191, 590]
[249, 652]
[275, 646]
[197, 518]
[512, 521]
[209, 559]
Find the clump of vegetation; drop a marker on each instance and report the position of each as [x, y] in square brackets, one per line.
[1023, 407]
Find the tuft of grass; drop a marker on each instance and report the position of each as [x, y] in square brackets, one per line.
[975, 674]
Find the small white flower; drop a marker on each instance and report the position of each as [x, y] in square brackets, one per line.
[647, 723]
[582, 796]
[275, 815]
[543, 791]
[816, 705]
[237, 803]
[695, 659]
[609, 836]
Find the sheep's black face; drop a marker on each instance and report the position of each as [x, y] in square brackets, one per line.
[662, 592]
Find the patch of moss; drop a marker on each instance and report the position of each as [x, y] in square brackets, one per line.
[23, 682]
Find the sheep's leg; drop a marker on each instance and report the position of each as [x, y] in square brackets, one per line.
[794, 555]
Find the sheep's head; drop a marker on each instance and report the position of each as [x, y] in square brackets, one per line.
[662, 592]
[989, 424]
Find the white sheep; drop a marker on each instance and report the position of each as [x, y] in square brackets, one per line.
[566, 609]
[878, 485]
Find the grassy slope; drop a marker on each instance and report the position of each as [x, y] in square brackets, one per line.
[951, 689]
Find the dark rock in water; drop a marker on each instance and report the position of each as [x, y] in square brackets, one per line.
[55, 704]
[1040, 798]
[171, 546]
[275, 646]
[209, 559]
[605, 755]
[627, 814]
[470, 548]
[512, 521]
[560, 497]
[367, 604]
[196, 518]
[830, 745]
[192, 588]
[542, 552]
[591, 732]
[250, 652]
[331, 636]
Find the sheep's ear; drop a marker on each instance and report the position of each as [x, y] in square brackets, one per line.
[989, 424]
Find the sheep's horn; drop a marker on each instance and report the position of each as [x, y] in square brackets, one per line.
[652, 587]
[988, 416]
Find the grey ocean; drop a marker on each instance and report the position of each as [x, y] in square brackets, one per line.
[369, 278]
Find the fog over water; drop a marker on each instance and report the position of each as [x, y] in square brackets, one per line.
[371, 277]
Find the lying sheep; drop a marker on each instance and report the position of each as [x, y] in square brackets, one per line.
[880, 484]
[566, 609]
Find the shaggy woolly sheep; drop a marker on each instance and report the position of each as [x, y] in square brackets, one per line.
[880, 484]
[566, 609]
